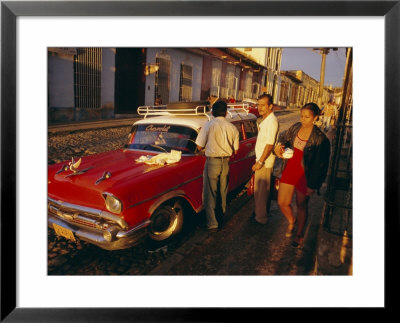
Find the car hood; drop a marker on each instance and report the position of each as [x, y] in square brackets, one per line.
[114, 172]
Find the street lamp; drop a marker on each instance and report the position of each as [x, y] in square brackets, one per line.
[150, 69]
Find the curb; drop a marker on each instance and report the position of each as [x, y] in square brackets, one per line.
[101, 124]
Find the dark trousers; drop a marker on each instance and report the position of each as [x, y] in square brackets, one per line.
[216, 175]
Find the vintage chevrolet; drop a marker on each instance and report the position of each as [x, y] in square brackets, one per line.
[116, 199]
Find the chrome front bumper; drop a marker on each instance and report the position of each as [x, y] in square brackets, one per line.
[93, 226]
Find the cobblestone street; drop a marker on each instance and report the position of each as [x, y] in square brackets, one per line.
[240, 248]
[64, 145]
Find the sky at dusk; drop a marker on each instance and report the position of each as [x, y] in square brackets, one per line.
[308, 61]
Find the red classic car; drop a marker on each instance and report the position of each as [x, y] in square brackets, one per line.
[115, 199]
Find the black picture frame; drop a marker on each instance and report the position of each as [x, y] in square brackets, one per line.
[10, 10]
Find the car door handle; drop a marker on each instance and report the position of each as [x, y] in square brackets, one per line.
[249, 145]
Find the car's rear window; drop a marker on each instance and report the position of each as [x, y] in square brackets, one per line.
[251, 129]
[247, 129]
[162, 137]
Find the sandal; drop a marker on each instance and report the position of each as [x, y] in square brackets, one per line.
[290, 229]
[298, 242]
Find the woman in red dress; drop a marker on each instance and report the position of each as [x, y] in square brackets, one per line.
[305, 171]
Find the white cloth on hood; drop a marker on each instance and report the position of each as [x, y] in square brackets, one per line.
[161, 159]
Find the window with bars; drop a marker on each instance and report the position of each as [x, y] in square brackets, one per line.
[87, 78]
[301, 96]
[215, 78]
[295, 90]
[185, 90]
[161, 86]
[284, 92]
[231, 81]
[278, 60]
[255, 90]
[248, 84]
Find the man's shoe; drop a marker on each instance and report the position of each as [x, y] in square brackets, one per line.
[254, 221]
[212, 230]
[298, 242]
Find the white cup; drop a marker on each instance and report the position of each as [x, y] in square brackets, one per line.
[288, 153]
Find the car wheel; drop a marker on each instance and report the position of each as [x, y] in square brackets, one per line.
[166, 221]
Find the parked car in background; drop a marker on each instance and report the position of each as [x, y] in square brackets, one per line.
[147, 188]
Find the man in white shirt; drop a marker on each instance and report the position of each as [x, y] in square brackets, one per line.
[267, 133]
[220, 139]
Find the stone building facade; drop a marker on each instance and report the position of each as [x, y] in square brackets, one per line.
[103, 83]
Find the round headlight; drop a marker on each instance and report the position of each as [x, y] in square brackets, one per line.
[107, 235]
[113, 204]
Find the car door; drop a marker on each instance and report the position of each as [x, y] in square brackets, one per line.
[248, 146]
[241, 163]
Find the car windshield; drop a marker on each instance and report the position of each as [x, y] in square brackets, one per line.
[162, 138]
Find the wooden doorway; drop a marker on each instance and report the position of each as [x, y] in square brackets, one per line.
[129, 79]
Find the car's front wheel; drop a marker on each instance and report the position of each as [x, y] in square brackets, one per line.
[166, 221]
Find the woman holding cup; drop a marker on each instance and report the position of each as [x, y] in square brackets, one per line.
[306, 151]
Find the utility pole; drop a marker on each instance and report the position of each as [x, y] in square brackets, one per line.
[323, 52]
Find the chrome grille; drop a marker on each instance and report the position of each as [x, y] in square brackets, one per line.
[84, 216]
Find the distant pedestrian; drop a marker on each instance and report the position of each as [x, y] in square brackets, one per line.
[212, 99]
[220, 138]
[158, 100]
[232, 100]
[305, 171]
[329, 115]
[267, 133]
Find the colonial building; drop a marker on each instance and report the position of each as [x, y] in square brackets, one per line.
[230, 73]
[298, 88]
[95, 83]
[178, 77]
[271, 60]
[80, 83]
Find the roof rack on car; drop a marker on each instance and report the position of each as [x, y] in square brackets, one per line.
[239, 106]
[198, 110]
[237, 111]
